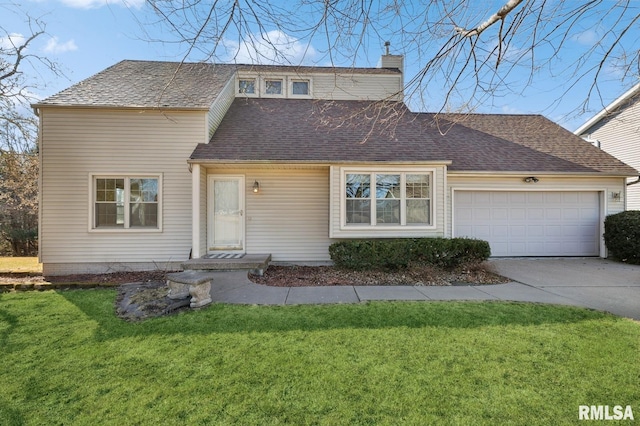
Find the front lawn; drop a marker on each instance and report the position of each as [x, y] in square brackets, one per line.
[66, 359]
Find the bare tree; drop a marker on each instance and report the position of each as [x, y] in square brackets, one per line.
[20, 71]
[475, 50]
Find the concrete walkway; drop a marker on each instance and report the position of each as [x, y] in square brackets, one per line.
[586, 282]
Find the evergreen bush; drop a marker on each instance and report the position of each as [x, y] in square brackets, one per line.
[622, 236]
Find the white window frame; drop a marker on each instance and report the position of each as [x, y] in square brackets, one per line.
[127, 187]
[373, 171]
[256, 86]
[292, 80]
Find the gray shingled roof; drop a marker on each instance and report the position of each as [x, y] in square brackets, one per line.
[287, 130]
[150, 84]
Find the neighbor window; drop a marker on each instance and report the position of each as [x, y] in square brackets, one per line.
[387, 199]
[126, 202]
[247, 86]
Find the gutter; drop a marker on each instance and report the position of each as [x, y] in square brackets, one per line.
[634, 182]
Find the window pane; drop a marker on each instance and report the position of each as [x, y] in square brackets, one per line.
[358, 186]
[418, 186]
[247, 86]
[143, 202]
[388, 212]
[109, 214]
[388, 186]
[143, 214]
[110, 190]
[358, 212]
[300, 87]
[143, 190]
[418, 212]
[273, 87]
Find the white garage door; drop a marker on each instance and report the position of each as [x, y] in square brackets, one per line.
[530, 223]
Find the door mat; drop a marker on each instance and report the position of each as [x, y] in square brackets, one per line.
[225, 256]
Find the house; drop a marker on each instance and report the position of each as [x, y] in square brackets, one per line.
[616, 130]
[147, 164]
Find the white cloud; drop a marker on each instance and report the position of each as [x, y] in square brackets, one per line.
[54, 46]
[507, 109]
[13, 41]
[587, 38]
[274, 47]
[94, 4]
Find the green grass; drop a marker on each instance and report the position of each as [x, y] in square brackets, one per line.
[20, 264]
[66, 359]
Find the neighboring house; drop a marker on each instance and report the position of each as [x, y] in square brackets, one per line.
[616, 130]
[146, 164]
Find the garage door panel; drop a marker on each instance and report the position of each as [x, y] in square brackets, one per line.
[536, 223]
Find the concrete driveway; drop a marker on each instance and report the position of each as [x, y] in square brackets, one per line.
[591, 282]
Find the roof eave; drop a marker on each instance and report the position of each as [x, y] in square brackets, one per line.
[318, 162]
[131, 107]
[619, 174]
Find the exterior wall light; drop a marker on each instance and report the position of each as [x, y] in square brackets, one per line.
[256, 187]
[616, 196]
[531, 179]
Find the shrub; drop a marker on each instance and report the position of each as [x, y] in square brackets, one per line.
[399, 253]
[622, 236]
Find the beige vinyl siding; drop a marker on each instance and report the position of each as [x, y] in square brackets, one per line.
[437, 200]
[220, 106]
[79, 143]
[620, 137]
[288, 218]
[357, 86]
[340, 86]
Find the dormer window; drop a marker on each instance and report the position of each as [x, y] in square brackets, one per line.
[247, 86]
[273, 87]
[300, 88]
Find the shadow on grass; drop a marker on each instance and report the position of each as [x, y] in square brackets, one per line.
[99, 306]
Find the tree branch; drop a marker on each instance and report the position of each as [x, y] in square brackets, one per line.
[498, 16]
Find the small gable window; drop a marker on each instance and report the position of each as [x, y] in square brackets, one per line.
[247, 86]
[273, 87]
[300, 87]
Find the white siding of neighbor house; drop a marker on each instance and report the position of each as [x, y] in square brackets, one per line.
[438, 200]
[606, 186]
[80, 142]
[289, 217]
[620, 137]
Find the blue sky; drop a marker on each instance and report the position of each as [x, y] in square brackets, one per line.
[87, 36]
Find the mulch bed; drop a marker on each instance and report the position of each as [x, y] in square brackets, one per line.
[281, 276]
[300, 276]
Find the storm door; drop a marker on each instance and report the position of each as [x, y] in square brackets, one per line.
[225, 213]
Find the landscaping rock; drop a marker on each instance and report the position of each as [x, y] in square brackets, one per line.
[138, 301]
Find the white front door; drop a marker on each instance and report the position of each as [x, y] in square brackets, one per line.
[225, 213]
